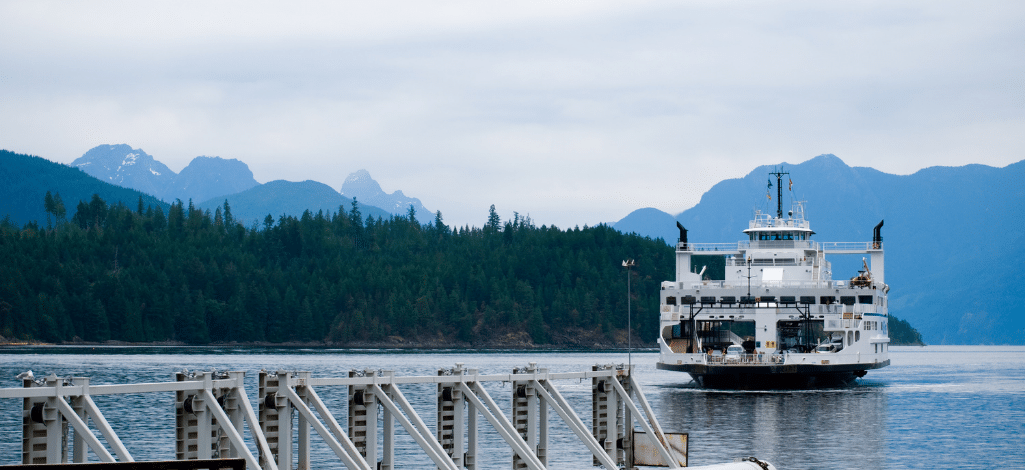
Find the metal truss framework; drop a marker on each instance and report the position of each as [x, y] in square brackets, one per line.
[213, 414]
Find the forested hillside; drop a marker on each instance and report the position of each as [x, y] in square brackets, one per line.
[25, 179]
[136, 274]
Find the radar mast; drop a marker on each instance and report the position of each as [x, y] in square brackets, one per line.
[779, 190]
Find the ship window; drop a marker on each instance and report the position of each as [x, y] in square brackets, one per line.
[857, 336]
[847, 299]
[865, 299]
[827, 299]
[670, 300]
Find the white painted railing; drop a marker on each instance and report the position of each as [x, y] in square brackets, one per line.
[213, 418]
[747, 245]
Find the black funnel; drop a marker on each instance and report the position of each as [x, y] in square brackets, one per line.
[683, 233]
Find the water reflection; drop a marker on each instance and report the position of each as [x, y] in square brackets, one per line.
[834, 428]
[934, 407]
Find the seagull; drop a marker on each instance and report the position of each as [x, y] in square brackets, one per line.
[26, 375]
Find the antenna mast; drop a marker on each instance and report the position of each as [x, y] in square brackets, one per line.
[779, 190]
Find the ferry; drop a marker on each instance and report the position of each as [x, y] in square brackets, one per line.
[778, 319]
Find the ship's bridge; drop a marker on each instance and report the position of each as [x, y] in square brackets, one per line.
[764, 227]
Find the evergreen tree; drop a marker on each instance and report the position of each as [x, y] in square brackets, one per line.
[136, 275]
[494, 222]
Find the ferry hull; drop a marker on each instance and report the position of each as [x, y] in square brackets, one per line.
[794, 376]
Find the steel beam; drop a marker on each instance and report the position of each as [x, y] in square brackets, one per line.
[334, 427]
[104, 427]
[335, 446]
[82, 432]
[426, 440]
[485, 404]
[233, 434]
[663, 448]
[561, 406]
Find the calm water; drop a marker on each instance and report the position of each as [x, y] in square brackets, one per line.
[934, 407]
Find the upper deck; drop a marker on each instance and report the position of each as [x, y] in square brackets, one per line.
[744, 246]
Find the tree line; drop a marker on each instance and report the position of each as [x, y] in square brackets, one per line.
[137, 274]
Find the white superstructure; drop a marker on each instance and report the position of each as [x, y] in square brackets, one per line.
[779, 302]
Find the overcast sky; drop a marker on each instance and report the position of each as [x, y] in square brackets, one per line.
[572, 112]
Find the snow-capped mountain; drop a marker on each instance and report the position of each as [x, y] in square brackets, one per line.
[360, 185]
[211, 180]
[126, 167]
[202, 179]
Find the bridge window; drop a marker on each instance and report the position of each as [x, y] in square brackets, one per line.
[670, 300]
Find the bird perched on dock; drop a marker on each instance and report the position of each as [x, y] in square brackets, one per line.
[26, 375]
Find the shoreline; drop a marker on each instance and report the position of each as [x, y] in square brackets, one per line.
[388, 346]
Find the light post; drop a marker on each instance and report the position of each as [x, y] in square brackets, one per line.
[628, 264]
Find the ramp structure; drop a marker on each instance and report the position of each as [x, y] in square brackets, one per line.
[214, 418]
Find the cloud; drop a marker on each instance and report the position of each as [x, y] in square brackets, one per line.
[573, 112]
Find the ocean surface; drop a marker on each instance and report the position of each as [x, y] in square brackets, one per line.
[934, 407]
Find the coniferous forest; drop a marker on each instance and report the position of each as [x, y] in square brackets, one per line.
[110, 272]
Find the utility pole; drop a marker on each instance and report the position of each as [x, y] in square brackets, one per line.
[628, 264]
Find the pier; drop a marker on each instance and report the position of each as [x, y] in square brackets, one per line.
[214, 418]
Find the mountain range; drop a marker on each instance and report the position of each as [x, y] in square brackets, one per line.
[204, 177]
[25, 180]
[954, 237]
[209, 181]
[281, 197]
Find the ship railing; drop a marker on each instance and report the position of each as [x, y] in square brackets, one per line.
[744, 245]
[783, 244]
[717, 358]
[713, 247]
[737, 285]
[740, 262]
[848, 247]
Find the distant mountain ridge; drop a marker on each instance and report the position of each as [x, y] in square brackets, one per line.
[25, 179]
[953, 236]
[281, 197]
[207, 177]
[360, 185]
[209, 181]
[202, 179]
[127, 167]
